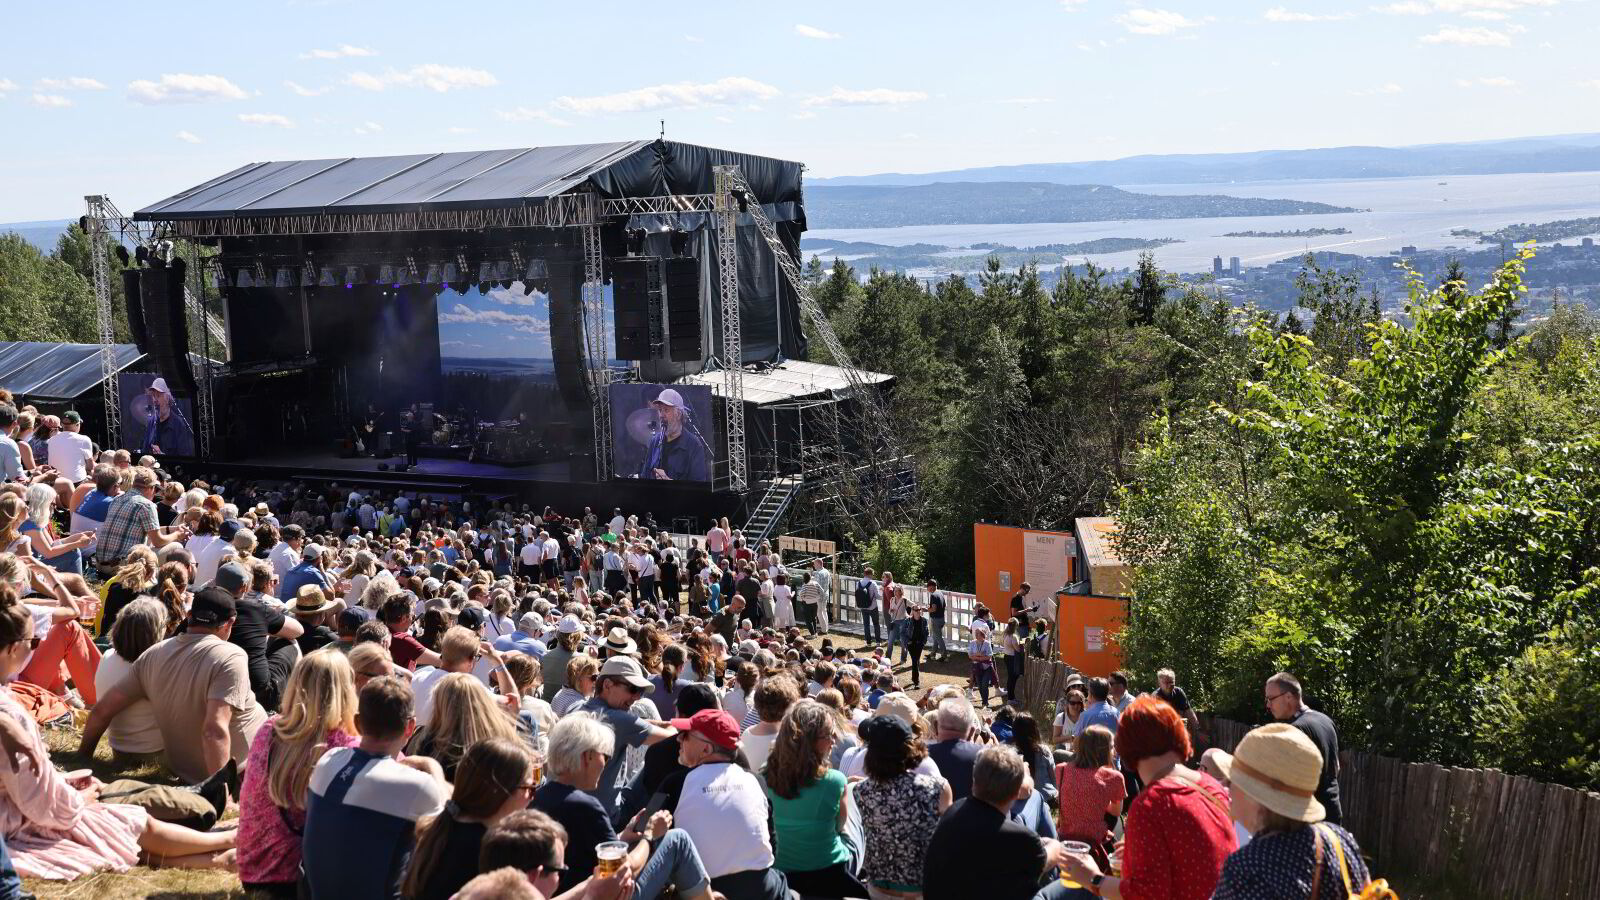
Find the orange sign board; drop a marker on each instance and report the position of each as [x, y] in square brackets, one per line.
[1002, 557]
[1086, 632]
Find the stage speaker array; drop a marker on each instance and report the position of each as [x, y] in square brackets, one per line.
[683, 309]
[657, 307]
[631, 281]
[166, 325]
[132, 301]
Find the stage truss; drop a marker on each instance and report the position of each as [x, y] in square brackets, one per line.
[731, 201]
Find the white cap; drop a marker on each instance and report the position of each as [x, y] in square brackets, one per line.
[669, 397]
[160, 384]
[531, 623]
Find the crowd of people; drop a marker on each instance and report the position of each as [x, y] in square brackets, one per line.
[412, 697]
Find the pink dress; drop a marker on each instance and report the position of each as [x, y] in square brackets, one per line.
[269, 837]
[51, 831]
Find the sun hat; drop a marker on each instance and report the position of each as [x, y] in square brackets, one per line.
[898, 705]
[617, 641]
[310, 600]
[715, 725]
[626, 668]
[1279, 768]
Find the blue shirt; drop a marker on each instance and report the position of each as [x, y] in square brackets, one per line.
[297, 578]
[521, 643]
[361, 821]
[95, 505]
[630, 731]
[10, 459]
[1098, 713]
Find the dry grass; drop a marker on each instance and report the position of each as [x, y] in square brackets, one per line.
[140, 881]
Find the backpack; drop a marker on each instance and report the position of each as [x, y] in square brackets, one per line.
[863, 594]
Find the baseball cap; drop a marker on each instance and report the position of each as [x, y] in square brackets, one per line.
[669, 397]
[230, 527]
[231, 577]
[531, 623]
[213, 606]
[311, 551]
[569, 624]
[626, 668]
[884, 730]
[71, 417]
[471, 617]
[160, 384]
[354, 617]
[715, 725]
[749, 647]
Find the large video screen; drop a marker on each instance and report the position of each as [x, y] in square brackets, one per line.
[661, 431]
[153, 420]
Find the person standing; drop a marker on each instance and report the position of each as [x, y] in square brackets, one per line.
[1168, 690]
[1021, 605]
[936, 613]
[809, 600]
[1287, 704]
[916, 628]
[867, 601]
[894, 612]
[824, 581]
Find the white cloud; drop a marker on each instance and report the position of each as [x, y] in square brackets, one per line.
[187, 137]
[694, 39]
[528, 114]
[1496, 81]
[681, 95]
[266, 119]
[7, 85]
[1492, 10]
[1155, 21]
[74, 83]
[1486, 15]
[1280, 14]
[342, 50]
[513, 296]
[869, 97]
[433, 76]
[816, 33]
[723, 119]
[457, 129]
[1476, 36]
[1390, 88]
[1592, 84]
[368, 128]
[183, 88]
[1073, 5]
[463, 314]
[304, 91]
[1405, 8]
[1027, 101]
[51, 101]
[808, 114]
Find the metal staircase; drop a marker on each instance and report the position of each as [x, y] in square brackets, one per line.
[769, 512]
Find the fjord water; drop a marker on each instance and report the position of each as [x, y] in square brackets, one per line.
[1397, 212]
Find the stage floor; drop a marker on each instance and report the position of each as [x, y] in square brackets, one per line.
[559, 470]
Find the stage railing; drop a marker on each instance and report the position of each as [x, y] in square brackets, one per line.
[960, 608]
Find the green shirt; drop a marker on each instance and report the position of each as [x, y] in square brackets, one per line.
[807, 827]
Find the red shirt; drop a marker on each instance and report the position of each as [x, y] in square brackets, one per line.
[404, 649]
[1178, 835]
[1085, 795]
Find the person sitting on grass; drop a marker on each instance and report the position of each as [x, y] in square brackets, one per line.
[55, 825]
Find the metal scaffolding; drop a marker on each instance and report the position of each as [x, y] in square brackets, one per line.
[728, 178]
[99, 216]
[597, 345]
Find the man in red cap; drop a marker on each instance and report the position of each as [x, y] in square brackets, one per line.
[724, 809]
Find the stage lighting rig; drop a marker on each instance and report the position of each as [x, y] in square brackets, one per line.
[245, 279]
[285, 277]
[308, 274]
[219, 277]
[354, 275]
[326, 278]
[410, 274]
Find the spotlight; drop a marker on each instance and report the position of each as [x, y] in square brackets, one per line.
[308, 273]
[246, 279]
[452, 273]
[435, 274]
[354, 275]
[386, 274]
[122, 255]
[326, 278]
[483, 288]
[743, 199]
[409, 275]
[538, 269]
[485, 271]
[284, 278]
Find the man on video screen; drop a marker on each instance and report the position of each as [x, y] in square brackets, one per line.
[676, 452]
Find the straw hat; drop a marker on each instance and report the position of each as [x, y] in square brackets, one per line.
[1280, 769]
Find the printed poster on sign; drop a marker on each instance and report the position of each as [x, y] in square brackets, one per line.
[1044, 562]
[1094, 638]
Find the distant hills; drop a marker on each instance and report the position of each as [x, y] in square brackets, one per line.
[1560, 153]
[40, 234]
[1016, 202]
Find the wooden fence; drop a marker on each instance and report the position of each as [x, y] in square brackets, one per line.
[1480, 832]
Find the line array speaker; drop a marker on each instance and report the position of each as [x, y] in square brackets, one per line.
[630, 297]
[167, 325]
[133, 302]
[682, 277]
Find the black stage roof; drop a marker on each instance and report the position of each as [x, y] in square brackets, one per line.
[483, 179]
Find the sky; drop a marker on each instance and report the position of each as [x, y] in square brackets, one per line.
[139, 103]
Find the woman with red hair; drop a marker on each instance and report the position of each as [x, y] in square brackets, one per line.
[1178, 831]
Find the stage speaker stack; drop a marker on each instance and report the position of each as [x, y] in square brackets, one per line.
[133, 302]
[682, 278]
[166, 325]
[630, 297]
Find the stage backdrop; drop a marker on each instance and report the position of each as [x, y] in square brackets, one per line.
[640, 430]
[174, 431]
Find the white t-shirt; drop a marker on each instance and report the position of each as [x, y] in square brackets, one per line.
[757, 747]
[68, 452]
[724, 810]
[854, 762]
[134, 730]
[617, 524]
[423, 681]
[207, 550]
[532, 553]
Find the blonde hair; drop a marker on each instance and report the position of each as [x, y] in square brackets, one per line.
[320, 697]
[458, 645]
[13, 512]
[140, 568]
[464, 713]
[581, 667]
